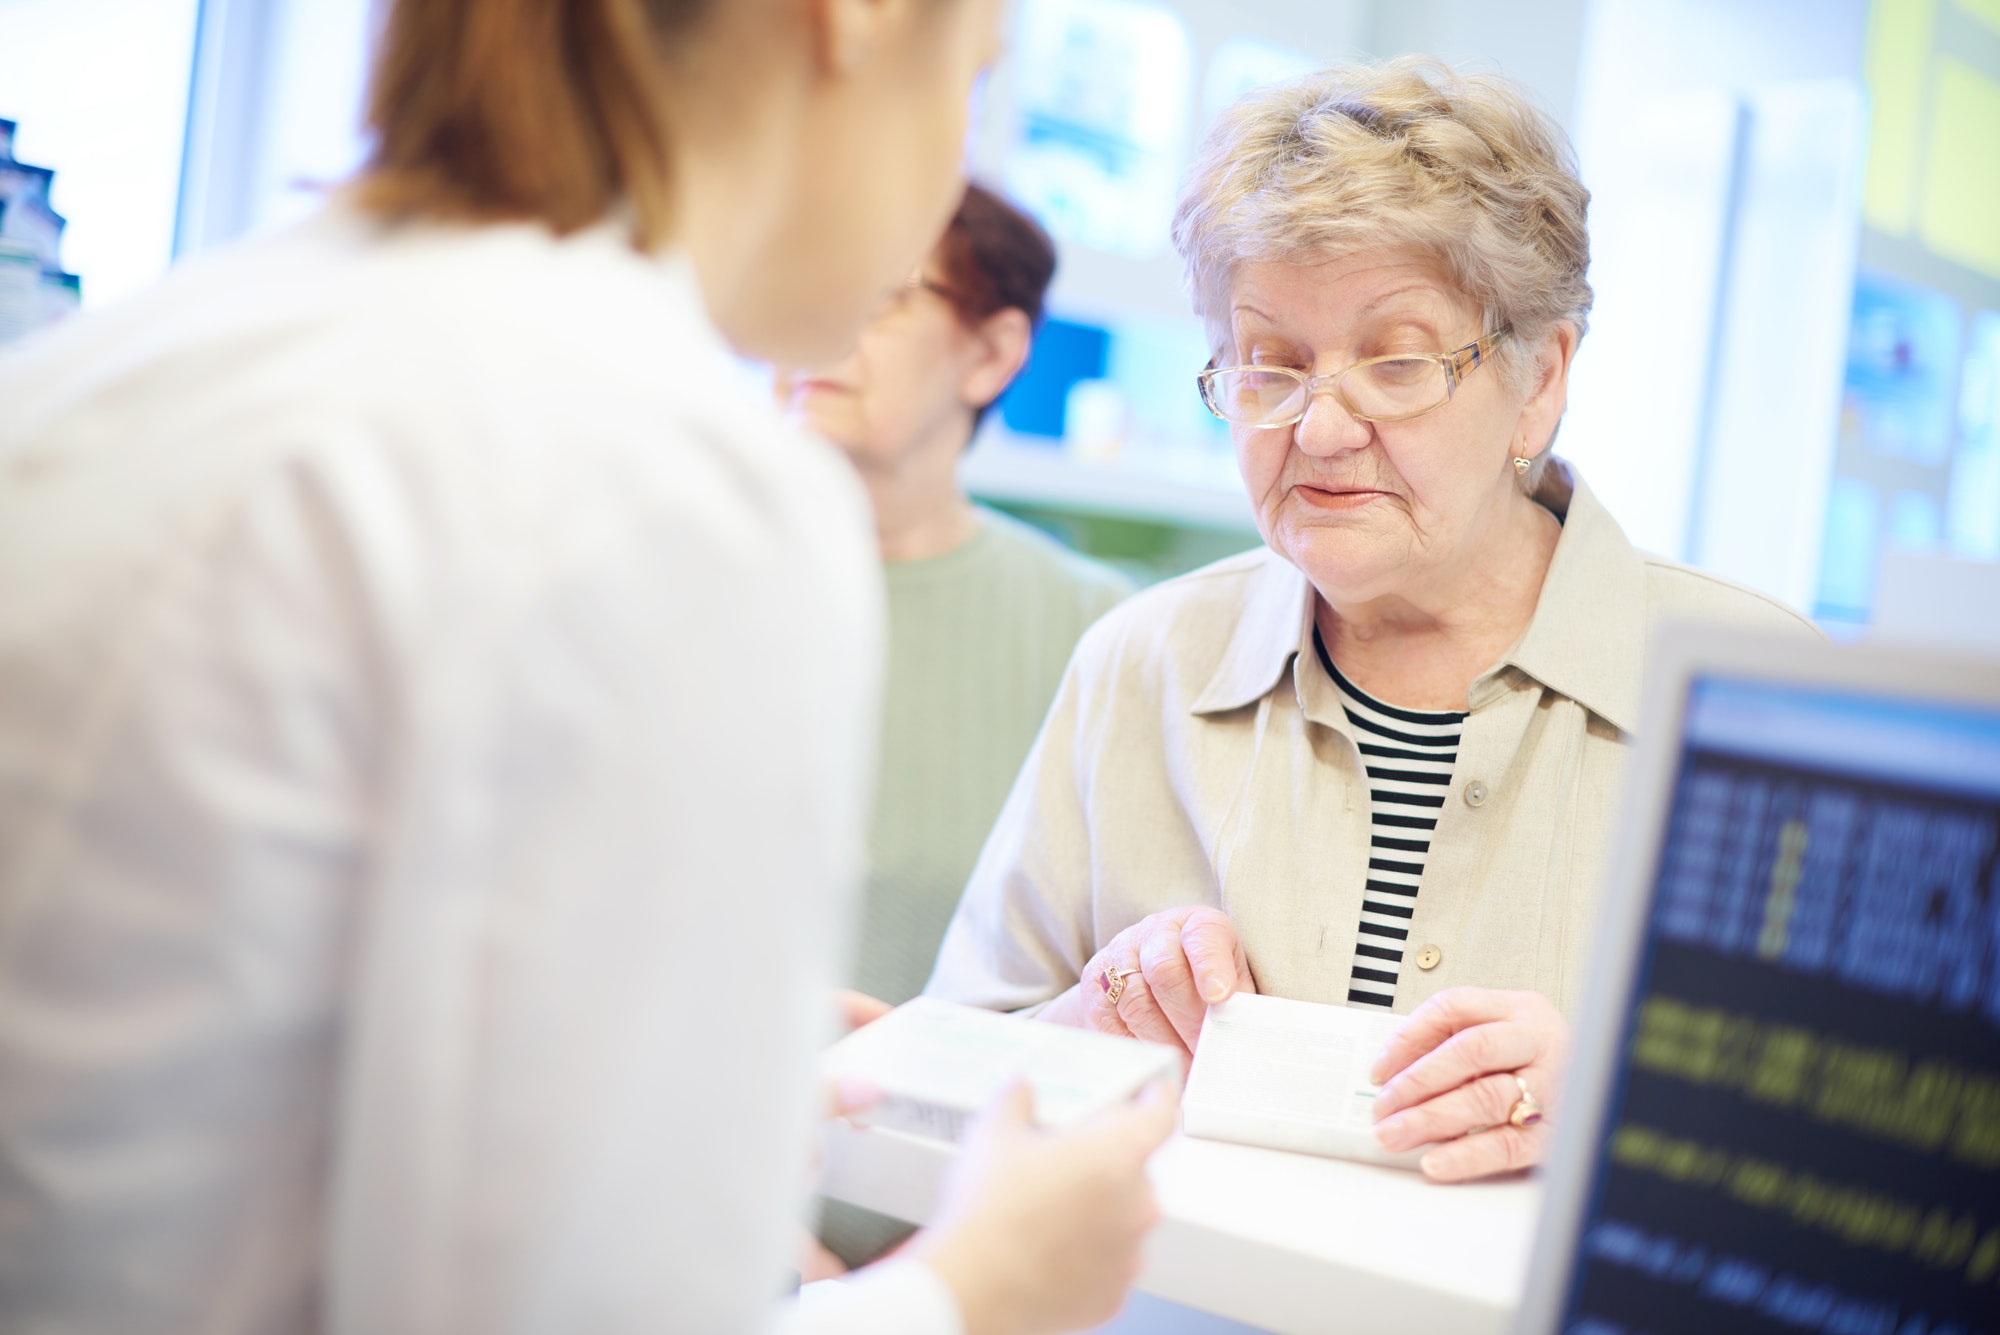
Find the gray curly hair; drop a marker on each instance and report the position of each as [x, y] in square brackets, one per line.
[1407, 153]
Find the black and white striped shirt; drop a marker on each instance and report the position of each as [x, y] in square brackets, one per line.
[1409, 755]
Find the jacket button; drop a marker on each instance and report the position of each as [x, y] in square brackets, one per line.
[1475, 794]
[1428, 958]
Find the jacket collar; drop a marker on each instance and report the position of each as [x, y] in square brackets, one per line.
[1275, 626]
[1586, 640]
[1588, 637]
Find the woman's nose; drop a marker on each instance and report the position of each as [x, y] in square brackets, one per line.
[1328, 428]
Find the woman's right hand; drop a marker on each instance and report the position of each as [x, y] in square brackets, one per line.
[1182, 961]
[1040, 1231]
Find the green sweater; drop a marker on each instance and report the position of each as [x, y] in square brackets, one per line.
[978, 640]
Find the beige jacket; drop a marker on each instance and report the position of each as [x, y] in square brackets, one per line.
[1197, 753]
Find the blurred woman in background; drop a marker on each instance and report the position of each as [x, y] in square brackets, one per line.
[434, 694]
[983, 609]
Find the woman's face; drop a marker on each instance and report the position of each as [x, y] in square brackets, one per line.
[1372, 509]
[907, 383]
[876, 169]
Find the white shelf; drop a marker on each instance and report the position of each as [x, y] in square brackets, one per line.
[1193, 495]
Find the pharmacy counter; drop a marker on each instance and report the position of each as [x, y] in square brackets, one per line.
[1283, 1242]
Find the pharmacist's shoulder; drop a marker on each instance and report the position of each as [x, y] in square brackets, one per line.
[469, 402]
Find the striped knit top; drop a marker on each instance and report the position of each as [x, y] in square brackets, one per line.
[1409, 755]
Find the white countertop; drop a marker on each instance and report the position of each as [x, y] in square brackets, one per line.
[1290, 1243]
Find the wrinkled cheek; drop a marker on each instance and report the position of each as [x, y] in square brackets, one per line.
[1260, 461]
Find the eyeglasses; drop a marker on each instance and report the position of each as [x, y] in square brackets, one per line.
[1380, 389]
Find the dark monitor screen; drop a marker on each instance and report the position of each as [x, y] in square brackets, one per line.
[1804, 1133]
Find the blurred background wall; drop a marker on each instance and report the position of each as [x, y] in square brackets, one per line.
[1793, 375]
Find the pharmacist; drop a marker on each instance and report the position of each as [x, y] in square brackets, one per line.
[422, 858]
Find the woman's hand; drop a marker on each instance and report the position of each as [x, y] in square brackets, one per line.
[1040, 1231]
[1448, 1076]
[1183, 961]
[850, 1094]
[815, 1262]
[858, 1008]
[842, 1099]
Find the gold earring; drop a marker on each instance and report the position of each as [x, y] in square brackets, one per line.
[1521, 465]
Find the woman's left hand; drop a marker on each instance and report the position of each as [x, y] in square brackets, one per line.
[858, 1008]
[841, 1099]
[1449, 1079]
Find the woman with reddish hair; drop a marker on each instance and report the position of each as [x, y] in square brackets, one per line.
[435, 694]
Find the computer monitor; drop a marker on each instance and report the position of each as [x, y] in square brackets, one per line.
[1784, 1107]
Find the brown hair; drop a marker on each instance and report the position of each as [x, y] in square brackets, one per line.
[524, 109]
[995, 258]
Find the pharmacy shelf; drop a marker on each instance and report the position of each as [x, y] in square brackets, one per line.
[1002, 469]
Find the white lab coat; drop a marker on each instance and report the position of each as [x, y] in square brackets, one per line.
[437, 699]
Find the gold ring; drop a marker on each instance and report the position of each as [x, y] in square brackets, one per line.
[1113, 982]
[1527, 1109]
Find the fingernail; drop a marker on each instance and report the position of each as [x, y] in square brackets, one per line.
[1432, 1164]
[1214, 990]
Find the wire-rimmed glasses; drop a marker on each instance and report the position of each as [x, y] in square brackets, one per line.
[1378, 389]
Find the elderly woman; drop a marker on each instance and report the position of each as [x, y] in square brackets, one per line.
[1373, 763]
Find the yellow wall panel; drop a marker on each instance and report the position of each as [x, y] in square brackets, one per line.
[1961, 198]
[1986, 11]
[1898, 58]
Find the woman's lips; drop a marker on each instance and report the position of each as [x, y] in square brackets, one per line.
[1344, 498]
